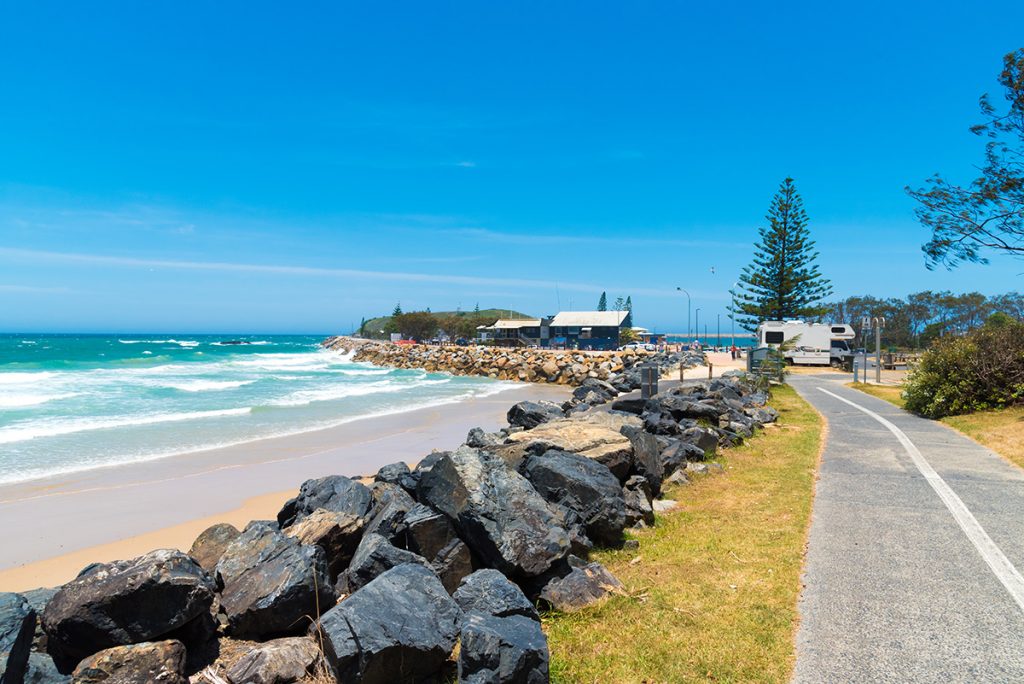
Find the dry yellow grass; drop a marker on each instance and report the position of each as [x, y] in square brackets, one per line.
[890, 393]
[714, 585]
[998, 430]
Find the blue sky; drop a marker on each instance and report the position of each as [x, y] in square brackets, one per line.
[257, 167]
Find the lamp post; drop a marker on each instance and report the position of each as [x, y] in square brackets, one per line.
[696, 327]
[679, 289]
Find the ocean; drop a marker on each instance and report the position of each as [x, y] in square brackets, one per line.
[70, 403]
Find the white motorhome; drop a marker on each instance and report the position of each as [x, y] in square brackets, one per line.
[815, 344]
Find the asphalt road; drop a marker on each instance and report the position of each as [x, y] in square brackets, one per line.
[914, 547]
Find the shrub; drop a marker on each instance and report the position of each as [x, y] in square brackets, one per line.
[981, 370]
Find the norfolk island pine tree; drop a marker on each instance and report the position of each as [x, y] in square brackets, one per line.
[782, 281]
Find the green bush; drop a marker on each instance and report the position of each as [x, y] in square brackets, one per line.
[981, 370]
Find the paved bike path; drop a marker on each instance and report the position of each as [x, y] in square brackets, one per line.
[895, 589]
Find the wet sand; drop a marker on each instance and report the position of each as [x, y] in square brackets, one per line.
[56, 526]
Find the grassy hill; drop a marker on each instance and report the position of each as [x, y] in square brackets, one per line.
[374, 326]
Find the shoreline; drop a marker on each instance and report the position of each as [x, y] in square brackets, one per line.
[56, 526]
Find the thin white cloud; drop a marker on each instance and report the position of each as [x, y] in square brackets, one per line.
[289, 270]
[625, 241]
[33, 289]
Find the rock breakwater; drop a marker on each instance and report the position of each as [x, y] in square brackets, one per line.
[413, 574]
[619, 368]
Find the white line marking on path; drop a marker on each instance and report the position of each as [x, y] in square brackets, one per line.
[1001, 566]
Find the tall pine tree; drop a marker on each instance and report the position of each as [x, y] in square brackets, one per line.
[629, 304]
[602, 303]
[783, 280]
[398, 310]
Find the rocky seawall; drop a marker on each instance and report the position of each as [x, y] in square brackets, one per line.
[619, 368]
[425, 574]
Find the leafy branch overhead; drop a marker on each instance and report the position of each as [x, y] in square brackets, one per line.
[987, 214]
[783, 280]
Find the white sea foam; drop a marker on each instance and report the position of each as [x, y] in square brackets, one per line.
[206, 385]
[26, 430]
[17, 400]
[180, 343]
[360, 371]
[20, 378]
[23, 474]
[305, 397]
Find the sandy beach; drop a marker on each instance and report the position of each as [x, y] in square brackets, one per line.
[54, 527]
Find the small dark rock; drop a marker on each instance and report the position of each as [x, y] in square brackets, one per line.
[634, 405]
[397, 474]
[530, 414]
[478, 439]
[580, 588]
[703, 438]
[638, 496]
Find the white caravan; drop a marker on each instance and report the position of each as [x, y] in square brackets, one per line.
[819, 344]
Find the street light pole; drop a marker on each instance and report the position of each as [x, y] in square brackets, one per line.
[679, 289]
[696, 327]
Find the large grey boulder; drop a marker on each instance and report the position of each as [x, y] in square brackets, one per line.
[17, 627]
[530, 414]
[584, 486]
[496, 511]
[401, 627]
[678, 454]
[280, 661]
[145, 663]
[338, 534]
[703, 438]
[582, 587]
[126, 602]
[374, 556]
[488, 591]
[333, 493]
[647, 459]
[210, 544]
[271, 583]
[431, 534]
[502, 649]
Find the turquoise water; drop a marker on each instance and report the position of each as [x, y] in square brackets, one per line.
[70, 403]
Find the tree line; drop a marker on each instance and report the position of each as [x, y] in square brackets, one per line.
[921, 318]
